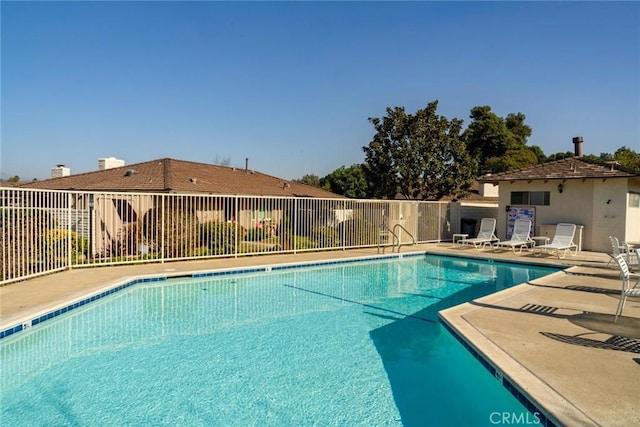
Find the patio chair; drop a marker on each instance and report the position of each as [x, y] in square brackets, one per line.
[486, 235]
[620, 248]
[562, 241]
[519, 239]
[626, 277]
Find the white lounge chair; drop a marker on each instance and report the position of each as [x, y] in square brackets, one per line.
[519, 239]
[562, 241]
[486, 235]
[626, 277]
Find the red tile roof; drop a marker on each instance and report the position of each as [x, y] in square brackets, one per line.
[179, 176]
[568, 168]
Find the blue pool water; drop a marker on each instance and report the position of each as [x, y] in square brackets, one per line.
[354, 343]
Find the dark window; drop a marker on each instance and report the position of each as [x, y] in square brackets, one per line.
[531, 198]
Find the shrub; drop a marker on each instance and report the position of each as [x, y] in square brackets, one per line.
[220, 237]
[255, 234]
[180, 224]
[201, 251]
[325, 237]
[25, 232]
[57, 245]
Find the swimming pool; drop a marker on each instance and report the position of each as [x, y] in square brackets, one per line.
[346, 343]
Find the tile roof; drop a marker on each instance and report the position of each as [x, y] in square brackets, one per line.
[179, 176]
[568, 168]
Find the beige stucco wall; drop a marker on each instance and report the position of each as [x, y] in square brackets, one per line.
[609, 211]
[633, 216]
[582, 202]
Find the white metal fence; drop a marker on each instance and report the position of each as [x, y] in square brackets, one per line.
[48, 230]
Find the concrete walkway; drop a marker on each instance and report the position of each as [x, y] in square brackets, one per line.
[553, 338]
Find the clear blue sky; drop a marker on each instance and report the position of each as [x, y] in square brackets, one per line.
[291, 85]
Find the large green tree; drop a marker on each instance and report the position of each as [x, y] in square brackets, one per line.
[420, 156]
[350, 182]
[499, 144]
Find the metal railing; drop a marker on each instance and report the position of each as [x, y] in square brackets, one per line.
[43, 231]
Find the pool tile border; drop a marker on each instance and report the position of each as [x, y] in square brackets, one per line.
[28, 323]
[24, 325]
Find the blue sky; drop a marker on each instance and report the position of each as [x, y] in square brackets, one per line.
[291, 85]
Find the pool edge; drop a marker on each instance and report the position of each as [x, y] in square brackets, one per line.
[12, 326]
[515, 377]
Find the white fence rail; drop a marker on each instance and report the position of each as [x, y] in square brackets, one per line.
[48, 230]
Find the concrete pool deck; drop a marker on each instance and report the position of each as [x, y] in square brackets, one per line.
[553, 337]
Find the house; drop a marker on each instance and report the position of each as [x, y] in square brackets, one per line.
[110, 203]
[603, 199]
[181, 177]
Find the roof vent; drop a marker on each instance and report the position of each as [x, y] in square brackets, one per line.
[130, 172]
[577, 142]
[194, 180]
[613, 164]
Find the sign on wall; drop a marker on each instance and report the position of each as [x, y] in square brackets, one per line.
[526, 212]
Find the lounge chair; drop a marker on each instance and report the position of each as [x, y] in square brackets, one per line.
[486, 235]
[626, 277]
[519, 239]
[562, 241]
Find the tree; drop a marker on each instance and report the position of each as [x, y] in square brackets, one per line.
[15, 178]
[420, 156]
[350, 182]
[537, 151]
[627, 158]
[225, 161]
[560, 156]
[513, 159]
[309, 179]
[499, 144]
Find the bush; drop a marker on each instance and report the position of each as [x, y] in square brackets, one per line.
[25, 232]
[303, 242]
[220, 237]
[179, 225]
[255, 234]
[57, 245]
[201, 251]
[325, 237]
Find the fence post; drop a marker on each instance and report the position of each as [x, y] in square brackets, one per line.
[295, 225]
[236, 226]
[162, 234]
[69, 247]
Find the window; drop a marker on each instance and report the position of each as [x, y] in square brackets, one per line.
[634, 200]
[532, 198]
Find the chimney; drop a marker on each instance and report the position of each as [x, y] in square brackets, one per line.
[577, 141]
[109, 163]
[59, 171]
[246, 165]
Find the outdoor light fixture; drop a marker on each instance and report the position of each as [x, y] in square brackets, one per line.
[560, 188]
